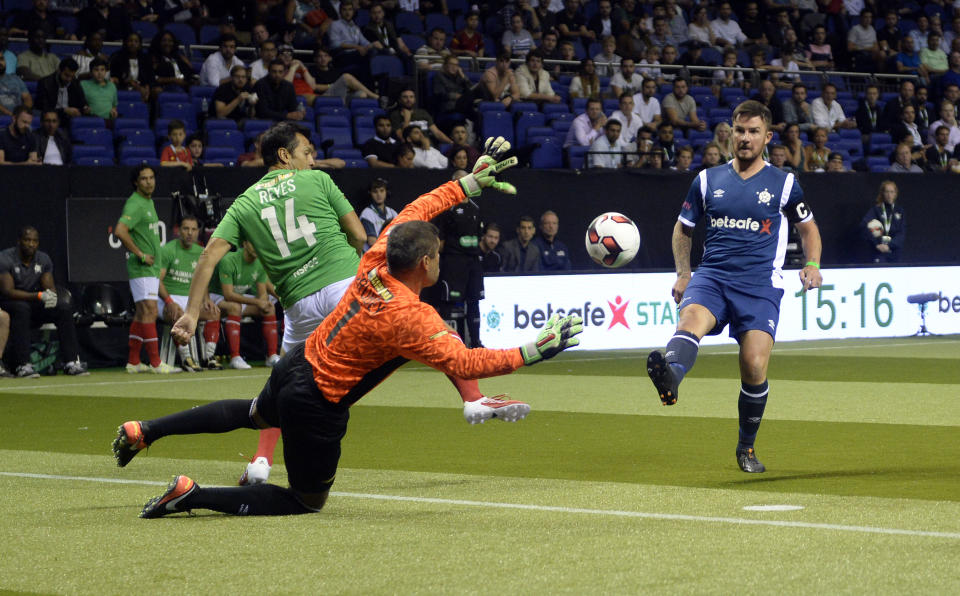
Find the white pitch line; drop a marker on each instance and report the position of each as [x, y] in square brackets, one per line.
[166, 379]
[738, 521]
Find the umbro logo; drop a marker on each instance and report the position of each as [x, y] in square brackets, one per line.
[718, 194]
[772, 324]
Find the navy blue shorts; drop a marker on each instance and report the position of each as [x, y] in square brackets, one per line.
[742, 305]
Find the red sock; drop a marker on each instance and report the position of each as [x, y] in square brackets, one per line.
[469, 390]
[267, 444]
[149, 333]
[211, 331]
[269, 326]
[134, 342]
[233, 335]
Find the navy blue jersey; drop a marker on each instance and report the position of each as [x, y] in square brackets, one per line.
[747, 220]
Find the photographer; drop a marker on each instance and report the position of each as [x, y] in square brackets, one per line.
[883, 227]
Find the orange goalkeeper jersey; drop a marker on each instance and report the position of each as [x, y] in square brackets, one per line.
[380, 324]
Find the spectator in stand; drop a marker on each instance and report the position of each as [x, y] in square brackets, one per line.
[517, 41]
[827, 112]
[490, 259]
[572, 26]
[932, 58]
[144, 10]
[459, 160]
[762, 70]
[729, 76]
[922, 31]
[61, 91]
[276, 99]
[727, 31]
[884, 227]
[796, 110]
[629, 120]
[587, 126]
[661, 36]
[889, 38]
[377, 214]
[835, 163]
[723, 138]
[382, 35]
[407, 113]
[766, 94]
[654, 160]
[815, 156]
[923, 111]
[311, 22]
[13, 92]
[903, 160]
[234, 100]
[793, 57]
[938, 156]
[627, 80]
[819, 52]
[868, 112]
[684, 159]
[550, 44]
[28, 294]
[100, 92]
[777, 30]
[651, 70]
[533, 82]
[753, 25]
[567, 52]
[405, 156]
[645, 103]
[460, 138]
[18, 145]
[11, 58]
[468, 41]
[952, 76]
[554, 254]
[667, 143]
[948, 118]
[694, 55]
[546, 15]
[607, 59]
[498, 82]
[430, 56]
[131, 69]
[251, 159]
[92, 49]
[907, 132]
[586, 83]
[328, 80]
[173, 70]
[176, 154]
[100, 17]
[608, 150]
[711, 156]
[54, 146]
[347, 43]
[41, 18]
[680, 109]
[381, 150]
[216, 68]
[894, 107]
[778, 158]
[603, 24]
[424, 155]
[862, 44]
[908, 60]
[195, 145]
[699, 28]
[521, 253]
[258, 68]
[794, 147]
[954, 31]
[668, 58]
[452, 89]
[36, 62]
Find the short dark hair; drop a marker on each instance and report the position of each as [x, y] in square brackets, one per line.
[504, 54]
[594, 100]
[176, 124]
[524, 218]
[381, 117]
[751, 109]
[491, 226]
[98, 62]
[798, 86]
[233, 70]
[24, 229]
[534, 54]
[408, 129]
[186, 217]
[20, 109]
[135, 174]
[409, 242]
[282, 135]
[612, 122]
[227, 37]
[68, 63]
[277, 61]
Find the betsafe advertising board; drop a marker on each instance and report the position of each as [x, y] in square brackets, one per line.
[635, 310]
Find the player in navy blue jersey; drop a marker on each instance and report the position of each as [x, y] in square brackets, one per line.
[749, 206]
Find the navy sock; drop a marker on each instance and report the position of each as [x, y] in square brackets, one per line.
[257, 499]
[216, 417]
[753, 399]
[682, 352]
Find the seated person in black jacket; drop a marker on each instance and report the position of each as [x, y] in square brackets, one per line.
[276, 99]
[48, 92]
[55, 147]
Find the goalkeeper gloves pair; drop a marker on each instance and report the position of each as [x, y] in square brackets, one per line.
[487, 167]
[557, 335]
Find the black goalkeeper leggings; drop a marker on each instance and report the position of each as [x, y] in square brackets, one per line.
[217, 417]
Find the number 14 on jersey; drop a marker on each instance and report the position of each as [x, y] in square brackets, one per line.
[296, 227]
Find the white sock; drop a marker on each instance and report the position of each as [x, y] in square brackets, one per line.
[209, 349]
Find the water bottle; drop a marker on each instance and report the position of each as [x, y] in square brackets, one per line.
[302, 109]
[204, 105]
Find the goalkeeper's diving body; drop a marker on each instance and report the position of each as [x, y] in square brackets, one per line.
[378, 325]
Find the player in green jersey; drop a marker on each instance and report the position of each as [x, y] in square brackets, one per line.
[241, 285]
[139, 231]
[178, 259]
[308, 239]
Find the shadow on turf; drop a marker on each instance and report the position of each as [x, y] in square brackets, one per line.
[769, 479]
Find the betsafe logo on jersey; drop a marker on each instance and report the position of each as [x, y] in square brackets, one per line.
[749, 223]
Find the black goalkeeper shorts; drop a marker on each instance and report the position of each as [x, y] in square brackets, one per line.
[311, 426]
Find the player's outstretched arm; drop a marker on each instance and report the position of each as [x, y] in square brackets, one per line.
[557, 335]
[353, 228]
[681, 242]
[487, 167]
[812, 247]
[186, 325]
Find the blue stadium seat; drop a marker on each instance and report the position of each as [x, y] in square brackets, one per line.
[322, 101]
[408, 22]
[366, 114]
[362, 133]
[135, 160]
[226, 138]
[183, 32]
[610, 106]
[209, 35]
[878, 160]
[172, 96]
[413, 42]
[180, 110]
[548, 153]
[129, 96]
[878, 169]
[539, 131]
[341, 136]
[220, 124]
[133, 109]
[81, 151]
[849, 133]
[146, 29]
[576, 155]
[555, 108]
[490, 106]
[561, 127]
[389, 65]
[578, 105]
[228, 154]
[327, 121]
[436, 19]
[525, 121]
[128, 151]
[346, 153]
[332, 111]
[496, 124]
[852, 146]
[363, 103]
[356, 163]
[93, 136]
[92, 161]
[139, 137]
[87, 122]
[252, 128]
[698, 139]
[523, 106]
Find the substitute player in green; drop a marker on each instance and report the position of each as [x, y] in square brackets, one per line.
[239, 288]
[308, 239]
[139, 231]
[178, 260]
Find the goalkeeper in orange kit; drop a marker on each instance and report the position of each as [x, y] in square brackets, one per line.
[378, 325]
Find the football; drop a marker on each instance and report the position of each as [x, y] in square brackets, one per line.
[612, 240]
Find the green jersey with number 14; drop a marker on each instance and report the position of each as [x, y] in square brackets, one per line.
[292, 218]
